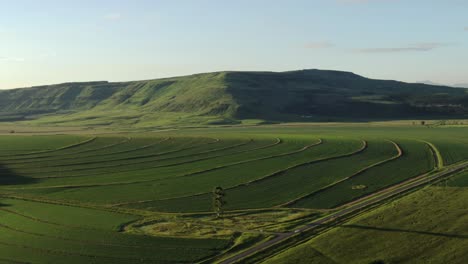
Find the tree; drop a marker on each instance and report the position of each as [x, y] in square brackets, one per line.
[218, 201]
[423, 123]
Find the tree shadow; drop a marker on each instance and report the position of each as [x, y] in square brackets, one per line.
[406, 231]
[9, 177]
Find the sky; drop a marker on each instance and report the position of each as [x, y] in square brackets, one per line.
[55, 41]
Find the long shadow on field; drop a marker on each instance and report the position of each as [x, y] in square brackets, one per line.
[9, 177]
[396, 230]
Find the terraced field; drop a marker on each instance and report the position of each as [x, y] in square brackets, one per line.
[94, 197]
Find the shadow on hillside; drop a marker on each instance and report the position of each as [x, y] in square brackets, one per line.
[396, 230]
[9, 177]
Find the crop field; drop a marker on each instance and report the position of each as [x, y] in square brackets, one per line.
[146, 197]
[428, 226]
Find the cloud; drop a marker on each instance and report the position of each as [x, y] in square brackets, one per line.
[12, 59]
[318, 45]
[420, 47]
[113, 16]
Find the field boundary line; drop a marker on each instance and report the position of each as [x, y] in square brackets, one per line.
[69, 253]
[362, 148]
[53, 150]
[122, 159]
[225, 166]
[118, 152]
[78, 241]
[398, 155]
[438, 158]
[279, 141]
[44, 158]
[277, 173]
[155, 180]
[369, 201]
[389, 187]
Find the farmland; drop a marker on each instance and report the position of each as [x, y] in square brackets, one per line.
[146, 196]
[429, 225]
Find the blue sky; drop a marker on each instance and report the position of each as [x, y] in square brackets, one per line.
[51, 41]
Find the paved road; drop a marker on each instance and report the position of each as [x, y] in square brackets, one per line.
[355, 207]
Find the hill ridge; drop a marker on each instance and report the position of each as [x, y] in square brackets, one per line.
[230, 97]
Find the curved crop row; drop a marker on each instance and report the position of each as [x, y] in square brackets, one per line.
[92, 166]
[52, 242]
[417, 159]
[199, 182]
[90, 146]
[298, 181]
[156, 172]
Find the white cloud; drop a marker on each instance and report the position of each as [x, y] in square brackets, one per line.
[318, 45]
[113, 16]
[410, 48]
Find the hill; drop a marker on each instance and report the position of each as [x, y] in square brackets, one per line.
[230, 97]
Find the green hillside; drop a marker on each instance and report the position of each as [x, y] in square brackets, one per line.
[230, 97]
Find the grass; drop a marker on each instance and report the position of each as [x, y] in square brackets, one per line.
[57, 230]
[230, 98]
[417, 159]
[429, 226]
[146, 196]
[299, 181]
[22, 145]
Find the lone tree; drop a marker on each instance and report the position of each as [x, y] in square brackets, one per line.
[218, 201]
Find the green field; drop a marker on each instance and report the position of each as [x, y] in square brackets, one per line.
[146, 197]
[429, 226]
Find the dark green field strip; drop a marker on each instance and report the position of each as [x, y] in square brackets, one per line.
[20, 249]
[85, 248]
[90, 146]
[88, 166]
[417, 159]
[74, 247]
[47, 237]
[40, 227]
[12, 146]
[213, 151]
[260, 149]
[460, 180]
[100, 145]
[274, 151]
[452, 150]
[68, 216]
[10, 261]
[46, 151]
[132, 165]
[87, 227]
[353, 166]
[28, 254]
[284, 186]
[201, 182]
[163, 146]
[133, 145]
